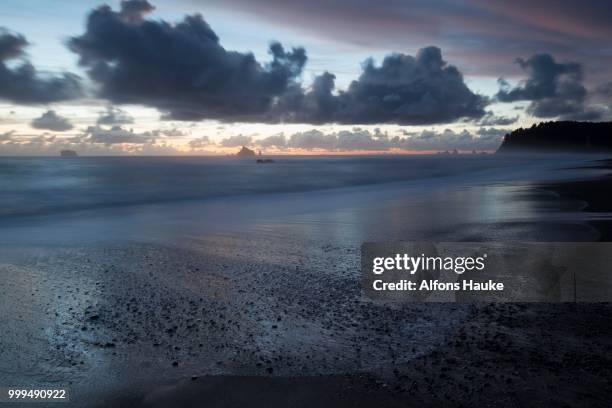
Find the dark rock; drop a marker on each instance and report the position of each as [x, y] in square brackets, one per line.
[245, 152]
[68, 153]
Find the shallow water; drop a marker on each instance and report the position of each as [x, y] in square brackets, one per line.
[60, 200]
[35, 185]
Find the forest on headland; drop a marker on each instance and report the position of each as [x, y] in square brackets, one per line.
[560, 136]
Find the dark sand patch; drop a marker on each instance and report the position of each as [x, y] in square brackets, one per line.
[526, 355]
[256, 332]
[594, 193]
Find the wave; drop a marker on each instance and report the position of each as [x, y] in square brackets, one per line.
[35, 186]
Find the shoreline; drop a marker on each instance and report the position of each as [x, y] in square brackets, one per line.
[594, 192]
[271, 312]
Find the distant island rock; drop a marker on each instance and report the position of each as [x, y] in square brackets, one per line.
[245, 152]
[68, 153]
[559, 137]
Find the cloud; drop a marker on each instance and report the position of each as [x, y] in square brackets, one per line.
[312, 140]
[181, 69]
[358, 139]
[134, 60]
[584, 19]
[554, 89]
[23, 84]
[404, 89]
[52, 121]
[7, 136]
[50, 145]
[94, 140]
[365, 140]
[491, 134]
[200, 143]
[134, 10]
[171, 132]
[481, 34]
[235, 141]
[118, 135]
[279, 141]
[603, 95]
[448, 139]
[604, 90]
[114, 116]
[490, 119]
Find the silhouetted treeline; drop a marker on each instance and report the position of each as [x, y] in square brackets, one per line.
[560, 137]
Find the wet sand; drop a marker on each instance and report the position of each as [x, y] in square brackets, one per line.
[272, 337]
[271, 313]
[117, 315]
[595, 193]
[520, 355]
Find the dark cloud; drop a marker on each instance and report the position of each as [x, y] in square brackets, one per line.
[114, 116]
[52, 121]
[555, 89]
[11, 45]
[182, 69]
[404, 89]
[492, 134]
[22, 83]
[604, 90]
[135, 10]
[235, 141]
[547, 79]
[603, 95]
[490, 119]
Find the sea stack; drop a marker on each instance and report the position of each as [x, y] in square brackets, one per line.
[68, 153]
[245, 152]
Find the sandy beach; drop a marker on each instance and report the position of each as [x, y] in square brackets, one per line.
[262, 297]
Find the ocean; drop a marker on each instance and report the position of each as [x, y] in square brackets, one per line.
[54, 198]
[42, 185]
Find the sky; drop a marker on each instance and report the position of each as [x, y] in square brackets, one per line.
[165, 77]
